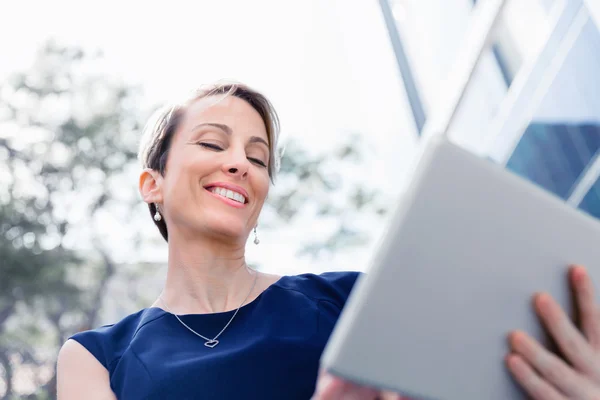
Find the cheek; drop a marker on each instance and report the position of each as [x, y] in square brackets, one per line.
[195, 169]
[183, 178]
[260, 195]
[262, 187]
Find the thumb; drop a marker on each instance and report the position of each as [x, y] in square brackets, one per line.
[328, 388]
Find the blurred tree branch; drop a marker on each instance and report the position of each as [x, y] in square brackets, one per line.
[8, 372]
[63, 136]
[317, 180]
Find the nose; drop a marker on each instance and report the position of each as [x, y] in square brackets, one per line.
[237, 165]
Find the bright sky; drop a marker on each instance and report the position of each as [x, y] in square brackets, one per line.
[327, 66]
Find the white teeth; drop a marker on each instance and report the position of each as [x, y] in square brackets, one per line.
[230, 194]
[239, 197]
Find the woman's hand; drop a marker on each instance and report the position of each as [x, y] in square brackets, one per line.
[542, 374]
[330, 387]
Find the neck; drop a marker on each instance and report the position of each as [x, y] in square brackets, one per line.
[206, 276]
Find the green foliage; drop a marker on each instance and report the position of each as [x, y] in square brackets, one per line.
[322, 187]
[65, 133]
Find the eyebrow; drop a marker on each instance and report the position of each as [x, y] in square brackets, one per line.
[227, 129]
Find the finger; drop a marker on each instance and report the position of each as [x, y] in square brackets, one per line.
[571, 342]
[330, 387]
[551, 368]
[589, 311]
[390, 396]
[532, 383]
[357, 392]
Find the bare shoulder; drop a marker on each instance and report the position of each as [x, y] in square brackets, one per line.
[265, 280]
[80, 375]
[270, 278]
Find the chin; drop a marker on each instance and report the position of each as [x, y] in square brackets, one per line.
[229, 234]
[233, 228]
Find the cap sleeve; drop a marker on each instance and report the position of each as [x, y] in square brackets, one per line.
[98, 343]
[109, 342]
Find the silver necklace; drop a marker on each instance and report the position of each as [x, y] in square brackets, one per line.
[210, 342]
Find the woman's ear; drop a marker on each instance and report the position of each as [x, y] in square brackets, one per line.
[150, 186]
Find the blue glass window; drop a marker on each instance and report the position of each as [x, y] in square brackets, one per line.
[591, 201]
[554, 155]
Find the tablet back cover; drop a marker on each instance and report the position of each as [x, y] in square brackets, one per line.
[464, 252]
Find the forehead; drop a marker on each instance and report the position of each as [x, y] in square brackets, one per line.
[238, 114]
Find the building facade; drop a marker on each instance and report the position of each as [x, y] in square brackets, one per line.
[515, 81]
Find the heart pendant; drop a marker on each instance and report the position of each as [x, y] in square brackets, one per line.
[211, 343]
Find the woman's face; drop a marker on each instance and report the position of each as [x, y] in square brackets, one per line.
[216, 179]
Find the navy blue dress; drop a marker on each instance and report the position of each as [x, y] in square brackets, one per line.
[271, 350]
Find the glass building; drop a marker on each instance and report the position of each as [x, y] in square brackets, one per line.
[515, 81]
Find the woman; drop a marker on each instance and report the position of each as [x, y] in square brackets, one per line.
[221, 330]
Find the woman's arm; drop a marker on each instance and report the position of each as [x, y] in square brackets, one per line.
[80, 375]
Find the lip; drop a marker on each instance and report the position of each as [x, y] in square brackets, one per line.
[229, 186]
[227, 201]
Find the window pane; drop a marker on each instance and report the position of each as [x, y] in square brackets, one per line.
[560, 114]
[554, 155]
[434, 34]
[522, 29]
[591, 202]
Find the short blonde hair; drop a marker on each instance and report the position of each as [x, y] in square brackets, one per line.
[158, 133]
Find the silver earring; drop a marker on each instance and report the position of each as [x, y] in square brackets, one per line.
[157, 216]
[256, 241]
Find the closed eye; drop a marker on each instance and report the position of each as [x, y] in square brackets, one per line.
[215, 147]
[210, 146]
[257, 161]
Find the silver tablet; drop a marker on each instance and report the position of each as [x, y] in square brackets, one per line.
[464, 252]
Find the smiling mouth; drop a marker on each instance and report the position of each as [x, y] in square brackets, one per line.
[228, 194]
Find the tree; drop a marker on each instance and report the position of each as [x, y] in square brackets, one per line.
[321, 187]
[64, 140]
